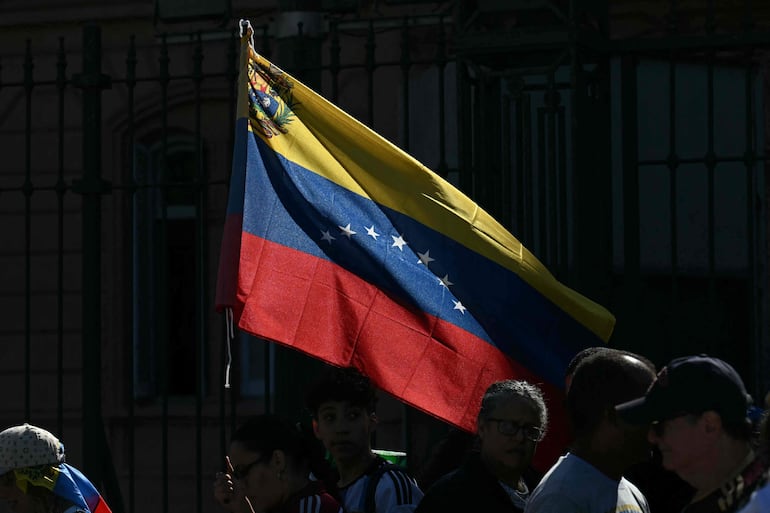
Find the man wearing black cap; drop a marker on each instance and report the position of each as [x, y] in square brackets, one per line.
[697, 413]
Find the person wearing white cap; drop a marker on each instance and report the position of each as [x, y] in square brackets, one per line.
[34, 477]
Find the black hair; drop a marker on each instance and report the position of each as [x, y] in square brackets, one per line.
[592, 350]
[582, 355]
[603, 380]
[267, 433]
[500, 391]
[341, 384]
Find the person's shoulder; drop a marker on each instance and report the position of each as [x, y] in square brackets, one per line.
[556, 490]
[320, 503]
[396, 490]
[396, 477]
[547, 502]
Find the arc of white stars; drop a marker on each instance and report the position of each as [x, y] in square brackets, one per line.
[425, 258]
[326, 236]
[370, 232]
[399, 242]
[444, 282]
[459, 306]
[346, 231]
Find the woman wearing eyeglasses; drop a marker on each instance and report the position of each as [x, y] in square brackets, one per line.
[511, 422]
[273, 467]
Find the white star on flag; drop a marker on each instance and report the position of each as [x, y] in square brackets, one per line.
[399, 242]
[346, 231]
[459, 306]
[370, 231]
[444, 282]
[325, 235]
[425, 258]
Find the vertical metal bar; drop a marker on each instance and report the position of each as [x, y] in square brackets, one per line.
[528, 184]
[505, 188]
[754, 288]
[519, 193]
[630, 156]
[464, 113]
[200, 278]
[61, 188]
[562, 264]
[480, 156]
[27, 190]
[202, 268]
[92, 188]
[552, 202]
[370, 67]
[673, 164]
[673, 159]
[130, 432]
[710, 161]
[441, 62]
[405, 67]
[160, 185]
[541, 175]
[334, 60]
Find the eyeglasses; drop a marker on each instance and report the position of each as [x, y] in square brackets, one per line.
[511, 428]
[241, 471]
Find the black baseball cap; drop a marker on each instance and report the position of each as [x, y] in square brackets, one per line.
[690, 384]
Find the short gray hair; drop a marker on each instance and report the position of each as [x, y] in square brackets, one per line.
[501, 391]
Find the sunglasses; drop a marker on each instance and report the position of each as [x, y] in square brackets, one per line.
[511, 428]
[241, 471]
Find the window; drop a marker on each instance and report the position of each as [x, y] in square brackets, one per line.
[165, 259]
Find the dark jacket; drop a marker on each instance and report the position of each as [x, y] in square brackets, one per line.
[470, 488]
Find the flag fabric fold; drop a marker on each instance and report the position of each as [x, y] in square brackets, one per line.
[342, 246]
[65, 481]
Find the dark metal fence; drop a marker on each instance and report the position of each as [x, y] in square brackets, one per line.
[113, 183]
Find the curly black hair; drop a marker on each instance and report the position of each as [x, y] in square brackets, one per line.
[341, 384]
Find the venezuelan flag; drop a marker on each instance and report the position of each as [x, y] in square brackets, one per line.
[342, 246]
[67, 482]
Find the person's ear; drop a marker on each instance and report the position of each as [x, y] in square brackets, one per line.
[712, 423]
[315, 429]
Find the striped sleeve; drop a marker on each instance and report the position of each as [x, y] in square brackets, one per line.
[397, 492]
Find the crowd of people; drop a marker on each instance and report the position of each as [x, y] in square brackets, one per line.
[677, 440]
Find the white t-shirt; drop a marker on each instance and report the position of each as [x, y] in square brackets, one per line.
[573, 485]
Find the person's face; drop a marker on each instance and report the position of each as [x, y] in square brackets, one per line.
[16, 500]
[510, 452]
[681, 443]
[256, 477]
[633, 441]
[345, 430]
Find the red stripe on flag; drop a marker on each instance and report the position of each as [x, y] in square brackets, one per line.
[427, 362]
